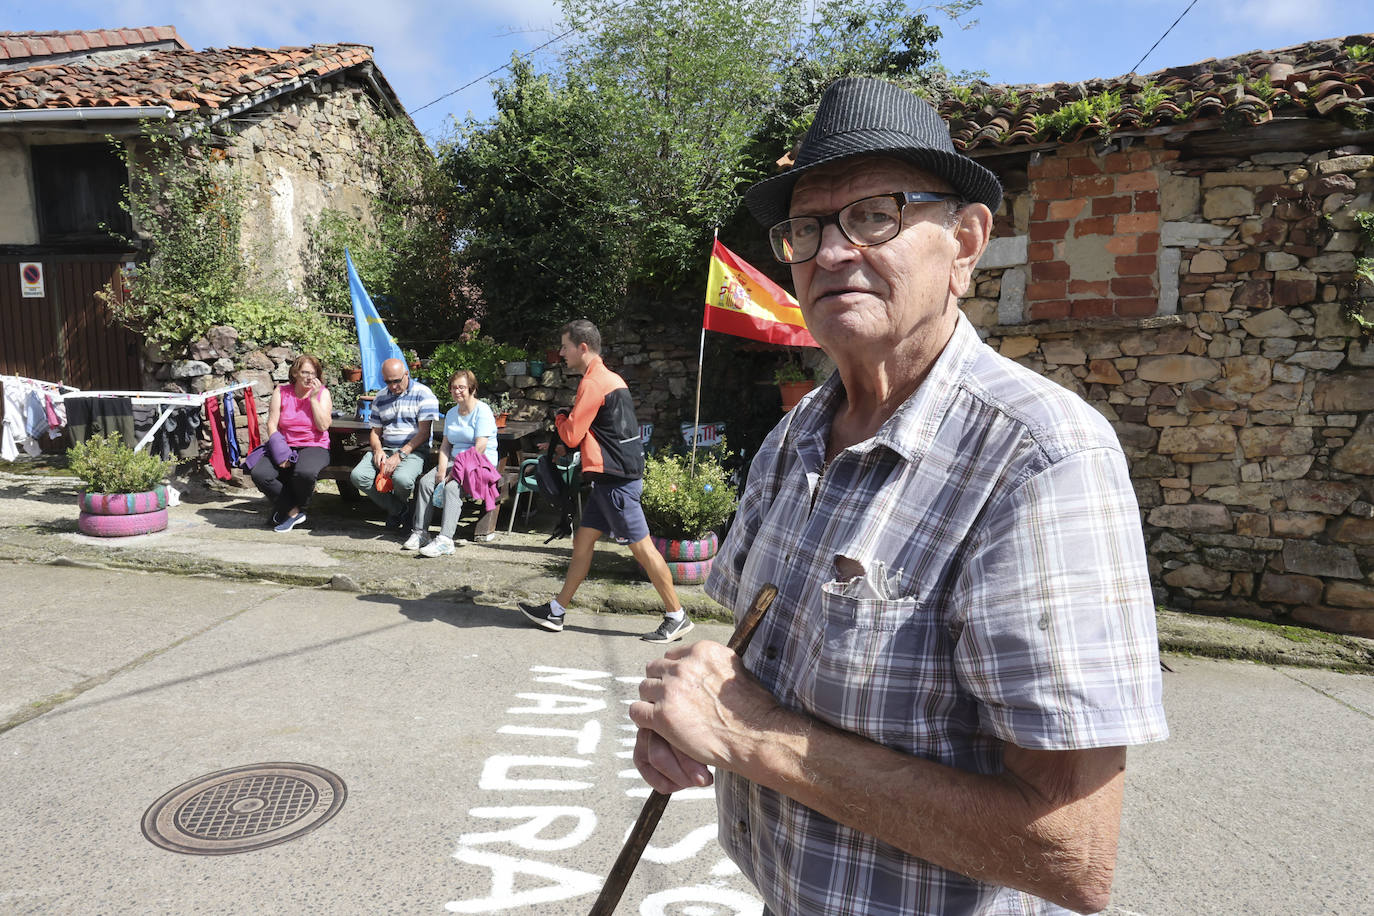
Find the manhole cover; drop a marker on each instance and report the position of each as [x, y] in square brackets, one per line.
[244, 808]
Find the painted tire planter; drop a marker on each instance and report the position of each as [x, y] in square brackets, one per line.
[123, 514]
[689, 562]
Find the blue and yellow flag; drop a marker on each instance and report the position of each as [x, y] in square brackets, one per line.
[374, 343]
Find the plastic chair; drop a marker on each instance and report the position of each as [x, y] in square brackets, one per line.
[528, 482]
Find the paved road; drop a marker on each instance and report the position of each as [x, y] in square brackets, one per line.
[486, 762]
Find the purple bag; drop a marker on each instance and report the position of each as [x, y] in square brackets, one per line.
[276, 450]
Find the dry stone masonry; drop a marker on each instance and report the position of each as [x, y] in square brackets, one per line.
[1245, 398]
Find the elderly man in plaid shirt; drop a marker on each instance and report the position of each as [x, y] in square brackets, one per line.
[933, 716]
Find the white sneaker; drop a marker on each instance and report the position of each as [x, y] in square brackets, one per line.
[414, 542]
[439, 547]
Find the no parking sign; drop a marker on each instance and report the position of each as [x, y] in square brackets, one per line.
[31, 279]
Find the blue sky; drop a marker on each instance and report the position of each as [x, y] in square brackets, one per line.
[427, 48]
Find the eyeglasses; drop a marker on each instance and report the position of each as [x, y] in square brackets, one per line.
[394, 381]
[867, 222]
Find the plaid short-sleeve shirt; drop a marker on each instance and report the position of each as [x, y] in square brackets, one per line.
[1006, 599]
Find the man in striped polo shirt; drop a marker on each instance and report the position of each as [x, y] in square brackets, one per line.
[401, 421]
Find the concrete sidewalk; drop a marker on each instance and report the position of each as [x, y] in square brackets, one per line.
[222, 531]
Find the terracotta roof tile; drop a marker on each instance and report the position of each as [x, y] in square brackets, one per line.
[1317, 79]
[182, 79]
[37, 45]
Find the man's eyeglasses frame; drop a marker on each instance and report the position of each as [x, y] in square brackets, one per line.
[779, 236]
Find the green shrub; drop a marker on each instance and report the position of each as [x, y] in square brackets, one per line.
[684, 507]
[483, 355]
[107, 465]
[269, 321]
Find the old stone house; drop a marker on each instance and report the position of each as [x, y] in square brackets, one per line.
[293, 122]
[1180, 249]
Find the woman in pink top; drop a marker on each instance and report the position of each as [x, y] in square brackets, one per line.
[299, 413]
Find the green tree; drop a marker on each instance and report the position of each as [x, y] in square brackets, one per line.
[545, 236]
[683, 83]
[599, 184]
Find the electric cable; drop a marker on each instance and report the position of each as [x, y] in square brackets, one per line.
[1162, 37]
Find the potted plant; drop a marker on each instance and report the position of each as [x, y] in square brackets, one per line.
[684, 507]
[501, 406]
[793, 382]
[125, 492]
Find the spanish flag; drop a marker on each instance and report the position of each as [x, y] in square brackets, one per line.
[743, 302]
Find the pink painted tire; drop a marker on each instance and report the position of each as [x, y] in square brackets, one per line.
[124, 503]
[703, 549]
[120, 526]
[690, 572]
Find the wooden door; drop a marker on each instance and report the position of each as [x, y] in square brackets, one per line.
[67, 335]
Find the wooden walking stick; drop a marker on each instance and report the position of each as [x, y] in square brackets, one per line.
[656, 803]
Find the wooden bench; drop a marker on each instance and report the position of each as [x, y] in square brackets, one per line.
[344, 457]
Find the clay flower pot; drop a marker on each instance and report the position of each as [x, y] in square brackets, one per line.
[792, 392]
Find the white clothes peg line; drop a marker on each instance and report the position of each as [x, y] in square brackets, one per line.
[166, 402]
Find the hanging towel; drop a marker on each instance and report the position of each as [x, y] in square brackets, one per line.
[217, 464]
[55, 420]
[250, 413]
[111, 416]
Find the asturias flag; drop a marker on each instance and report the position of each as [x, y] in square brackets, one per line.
[374, 343]
[743, 302]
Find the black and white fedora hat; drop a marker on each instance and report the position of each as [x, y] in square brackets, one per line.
[865, 117]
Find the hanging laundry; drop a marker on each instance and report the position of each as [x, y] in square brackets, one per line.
[109, 415]
[57, 415]
[15, 432]
[250, 411]
[231, 438]
[217, 465]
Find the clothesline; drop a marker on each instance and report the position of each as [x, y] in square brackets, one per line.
[56, 394]
[183, 398]
[164, 400]
[40, 383]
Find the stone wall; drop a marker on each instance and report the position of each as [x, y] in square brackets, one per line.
[1245, 401]
[217, 360]
[300, 154]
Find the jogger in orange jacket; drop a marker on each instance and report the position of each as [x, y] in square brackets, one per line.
[602, 424]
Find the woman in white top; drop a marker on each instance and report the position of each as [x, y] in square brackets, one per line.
[470, 424]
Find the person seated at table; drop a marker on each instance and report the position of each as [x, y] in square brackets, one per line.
[467, 463]
[297, 446]
[400, 421]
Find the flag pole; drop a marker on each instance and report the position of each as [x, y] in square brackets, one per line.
[701, 358]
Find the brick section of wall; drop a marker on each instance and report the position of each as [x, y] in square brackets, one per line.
[1079, 198]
